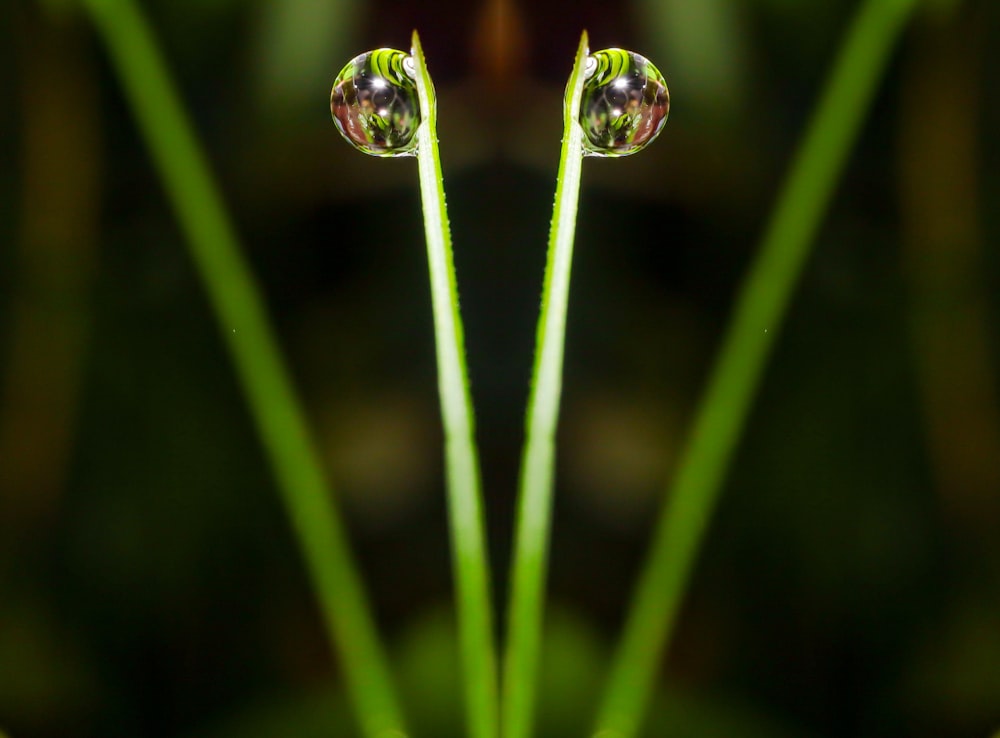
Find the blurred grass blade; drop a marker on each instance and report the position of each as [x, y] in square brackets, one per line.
[531, 537]
[757, 319]
[244, 325]
[465, 508]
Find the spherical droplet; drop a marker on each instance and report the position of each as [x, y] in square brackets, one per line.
[374, 103]
[624, 105]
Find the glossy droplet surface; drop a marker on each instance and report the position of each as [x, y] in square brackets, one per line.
[624, 105]
[374, 103]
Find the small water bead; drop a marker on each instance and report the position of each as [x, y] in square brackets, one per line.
[624, 105]
[374, 103]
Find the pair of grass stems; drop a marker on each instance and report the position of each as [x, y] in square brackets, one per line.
[721, 414]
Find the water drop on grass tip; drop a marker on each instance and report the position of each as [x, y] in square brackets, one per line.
[374, 103]
[624, 105]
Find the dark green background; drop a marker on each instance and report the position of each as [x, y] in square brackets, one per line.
[149, 585]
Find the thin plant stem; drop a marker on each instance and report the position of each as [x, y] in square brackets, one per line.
[244, 326]
[465, 507]
[528, 577]
[755, 325]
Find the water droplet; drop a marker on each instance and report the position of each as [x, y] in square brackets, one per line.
[374, 103]
[625, 103]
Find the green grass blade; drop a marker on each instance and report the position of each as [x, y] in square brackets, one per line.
[531, 541]
[757, 319]
[258, 363]
[465, 508]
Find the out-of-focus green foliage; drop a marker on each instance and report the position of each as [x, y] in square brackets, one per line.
[297, 44]
[758, 317]
[704, 46]
[259, 366]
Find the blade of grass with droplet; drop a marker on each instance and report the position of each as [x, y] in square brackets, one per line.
[757, 318]
[531, 536]
[465, 507]
[244, 326]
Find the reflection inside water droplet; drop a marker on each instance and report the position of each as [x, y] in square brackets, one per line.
[374, 103]
[624, 105]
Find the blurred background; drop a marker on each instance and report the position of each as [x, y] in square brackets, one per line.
[149, 584]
